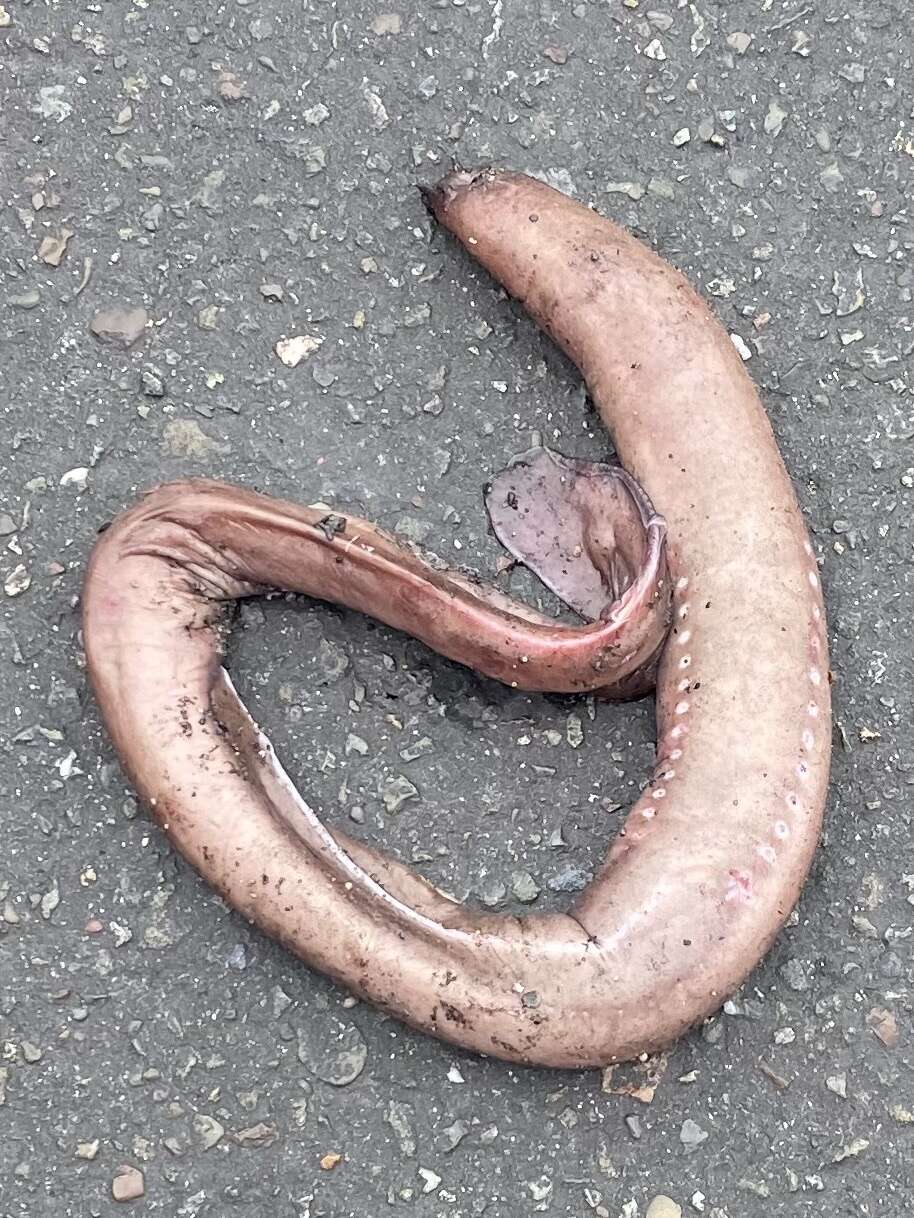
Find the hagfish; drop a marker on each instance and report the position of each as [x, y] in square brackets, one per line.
[691, 569]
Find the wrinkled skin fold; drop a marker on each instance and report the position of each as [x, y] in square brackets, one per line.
[718, 597]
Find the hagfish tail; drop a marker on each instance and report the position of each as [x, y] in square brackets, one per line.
[691, 570]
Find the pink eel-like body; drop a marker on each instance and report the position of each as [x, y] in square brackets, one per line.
[712, 856]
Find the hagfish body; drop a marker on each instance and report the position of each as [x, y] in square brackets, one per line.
[694, 569]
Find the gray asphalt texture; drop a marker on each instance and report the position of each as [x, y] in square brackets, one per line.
[247, 171]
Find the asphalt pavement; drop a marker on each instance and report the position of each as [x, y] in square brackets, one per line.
[220, 177]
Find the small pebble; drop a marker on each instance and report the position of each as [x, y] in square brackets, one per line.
[26, 300]
[775, 118]
[574, 732]
[492, 892]
[338, 1058]
[739, 42]
[230, 87]
[396, 791]
[18, 581]
[663, 1206]
[256, 1136]
[238, 958]
[293, 350]
[128, 1184]
[209, 1130]
[838, 1084]
[454, 1134]
[884, 1026]
[152, 384]
[261, 28]
[119, 326]
[796, 975]
[387, 23]
[432, 1179]
[853, 72]
[654, 50]
[315, 115]
[524, 886]
[691, 1134]
[54, 246]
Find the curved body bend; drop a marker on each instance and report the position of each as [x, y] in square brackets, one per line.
[712, 856]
